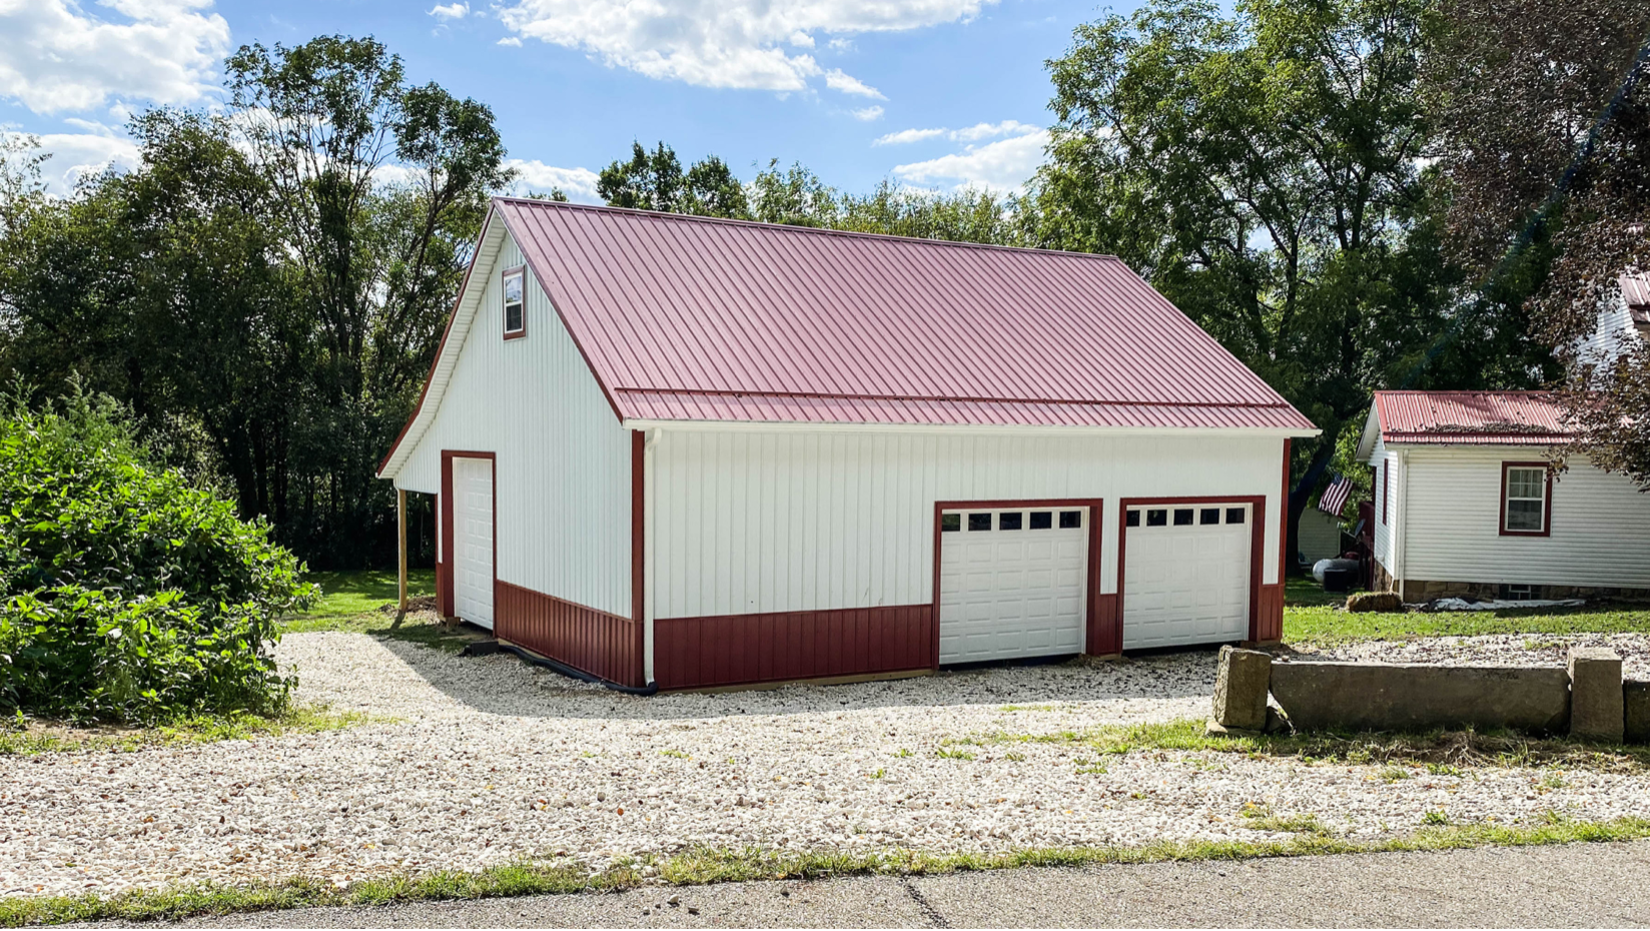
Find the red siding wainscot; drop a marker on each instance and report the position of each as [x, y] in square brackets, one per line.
[591, 641]
[743, 649]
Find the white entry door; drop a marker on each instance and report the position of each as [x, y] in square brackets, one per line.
[1012, 583]
[473, 540]
[1186, 574]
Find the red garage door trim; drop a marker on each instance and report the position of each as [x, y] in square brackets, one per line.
[1099, 612]
[1260, 601]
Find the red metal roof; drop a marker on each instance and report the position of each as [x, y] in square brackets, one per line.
[688, 318]
[1483, 418]
[1635, 293]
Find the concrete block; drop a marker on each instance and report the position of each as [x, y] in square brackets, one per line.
[1636, 712]
[1404, 697]
[1596, 695]
[1241, 683]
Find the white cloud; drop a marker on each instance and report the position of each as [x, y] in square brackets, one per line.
[535, 177]
[868, 114]
[78, 155]
[992, 130]
[54, 56]
[906, 136]
[969, 134]
[836, 80]
[511, 41]
[842, 45]
[1004, 165]
[725, 43]
[450, 11]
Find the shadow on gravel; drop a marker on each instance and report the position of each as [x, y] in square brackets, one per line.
[503, 684]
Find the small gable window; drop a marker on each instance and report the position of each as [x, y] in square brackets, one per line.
[515, 303]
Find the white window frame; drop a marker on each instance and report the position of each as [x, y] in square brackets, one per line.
[519, 275]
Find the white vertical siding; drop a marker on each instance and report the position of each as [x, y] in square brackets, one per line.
[1604, 344]
[1599, 523]
[1385, 538]
[563, 460]
[755, 522]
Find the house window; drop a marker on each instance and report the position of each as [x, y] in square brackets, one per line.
[1525, 488]
[515, 303]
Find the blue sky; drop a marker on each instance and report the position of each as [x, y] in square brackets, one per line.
[933, 93]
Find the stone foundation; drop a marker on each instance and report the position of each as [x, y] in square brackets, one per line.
[1419, 590]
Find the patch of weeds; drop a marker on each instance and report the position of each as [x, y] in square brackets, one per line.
[675, 754]
[1552, 782]
[902, 753]
[1455, 749]
[1443, 769]
[47, 737]
[1091, 767]
[879, 773]
[1437, 817]
[1014, 757]
[1261, 818]
[947, 753]
[1395, 774]
[703, 866]
[1029, 708]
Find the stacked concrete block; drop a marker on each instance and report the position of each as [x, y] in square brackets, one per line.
[1241, 684]
[1596, 699]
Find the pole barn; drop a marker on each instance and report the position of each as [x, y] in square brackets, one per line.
[681, 452]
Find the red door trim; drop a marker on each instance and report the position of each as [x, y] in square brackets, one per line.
[446, 568]
[1097, 508]
[1257, 546]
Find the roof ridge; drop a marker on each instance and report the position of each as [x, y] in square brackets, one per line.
[791, 228]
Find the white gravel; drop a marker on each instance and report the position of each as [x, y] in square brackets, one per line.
[489, 760]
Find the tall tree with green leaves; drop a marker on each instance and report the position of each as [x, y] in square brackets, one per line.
[1262, 169]
[655, 181]
[276, 277]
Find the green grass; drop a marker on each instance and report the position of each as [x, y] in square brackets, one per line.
[1312, 615]
[705, 866]
[41, 738]
[1441, 752]
[1327, 626]
[364, 602]
[347, 594]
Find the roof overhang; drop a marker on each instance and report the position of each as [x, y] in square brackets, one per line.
[747, 426]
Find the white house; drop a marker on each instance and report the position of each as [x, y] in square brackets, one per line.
[1465, 503]
[685, 452]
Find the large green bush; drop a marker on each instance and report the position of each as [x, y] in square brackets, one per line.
[125, 593]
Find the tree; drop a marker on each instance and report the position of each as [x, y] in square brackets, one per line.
[655, 181]
[276, 278]
[1262, 170]
[1543, 116]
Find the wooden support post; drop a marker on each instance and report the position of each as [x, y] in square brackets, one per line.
[401, 546]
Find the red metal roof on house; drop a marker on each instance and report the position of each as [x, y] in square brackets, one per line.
[1483, 418]
[1635, 293]
[686, 318]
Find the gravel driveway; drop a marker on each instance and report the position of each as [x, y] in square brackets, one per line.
[487, 760]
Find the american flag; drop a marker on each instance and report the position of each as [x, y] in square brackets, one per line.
[1333, 499]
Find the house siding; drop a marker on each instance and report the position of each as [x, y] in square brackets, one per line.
[778, 522]
[1454, 511]
[563, 461]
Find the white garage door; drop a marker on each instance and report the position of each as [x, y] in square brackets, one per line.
[473, 540]
[1012, 583]
[1186, 575]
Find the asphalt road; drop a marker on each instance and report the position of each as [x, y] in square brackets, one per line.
[1578, 885]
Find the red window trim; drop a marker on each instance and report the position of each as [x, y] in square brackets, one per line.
[1546, 502]
[504, 318]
